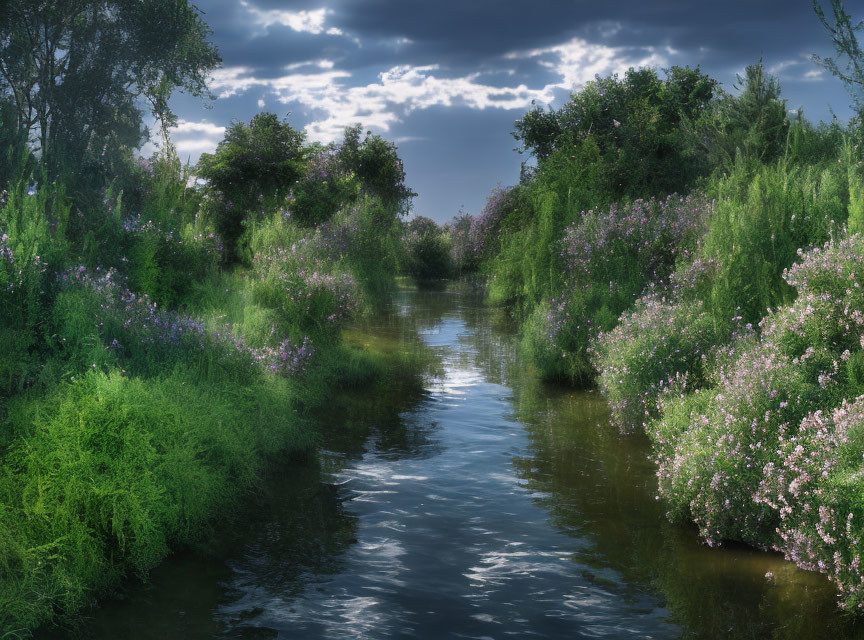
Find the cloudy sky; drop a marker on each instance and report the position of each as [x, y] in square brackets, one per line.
[445, 80]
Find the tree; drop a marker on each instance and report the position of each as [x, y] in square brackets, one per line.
[377, 165]
[635, 122]
[751, 126]
[75, 70]
[848, 66]
[255, 162]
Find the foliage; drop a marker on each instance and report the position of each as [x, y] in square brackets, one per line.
[732, 456]
[427, 250]
[736, 276]
[376, 164]
[75, 71]
[636, 124]
[109, 473]
[609, 258]
[254, 163]
[848, 66]
[484, 235]
[528, 268]
[323, 189]
[751, 126]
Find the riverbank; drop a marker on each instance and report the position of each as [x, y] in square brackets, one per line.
[487, 501]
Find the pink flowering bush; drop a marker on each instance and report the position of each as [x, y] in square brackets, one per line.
[753, 234]
[770, 453]
[658, 345]
[815, 486]
[609, 259]
[484, 234]
[461, 252]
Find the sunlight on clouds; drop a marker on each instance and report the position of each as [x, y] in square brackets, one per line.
[578, 61]
[794, 70]
[301, 21]
[193, 138]
[405, 88]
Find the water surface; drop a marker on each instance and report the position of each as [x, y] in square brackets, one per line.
[488, 505]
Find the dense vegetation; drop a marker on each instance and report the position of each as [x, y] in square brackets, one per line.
[162, 343]
[696, 253]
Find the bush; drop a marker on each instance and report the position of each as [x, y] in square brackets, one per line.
[484, 235]
[815, 486]
[32, 244]
[253, 163]
[659, 346]
[528, 269]
[109, 473]
[761, 220]
[609, 259]
[427, 251]
[323, 189]
[722, 450]
[636, 123]
[754, 231]
[461, 250]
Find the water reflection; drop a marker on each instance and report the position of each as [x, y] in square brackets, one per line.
[484, 505]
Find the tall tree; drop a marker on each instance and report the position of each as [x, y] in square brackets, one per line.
[77, 70]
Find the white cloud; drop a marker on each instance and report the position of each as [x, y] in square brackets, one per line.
[578, 61]
[261, 103]
[300, 21]
[194, 138]
[794, 70]
[334, 104]
[196, 128]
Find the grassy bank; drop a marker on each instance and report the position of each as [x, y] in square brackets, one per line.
[152, 372]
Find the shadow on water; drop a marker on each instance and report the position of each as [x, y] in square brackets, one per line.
[485, 505]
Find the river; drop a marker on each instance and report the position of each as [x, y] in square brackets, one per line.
[486, 505]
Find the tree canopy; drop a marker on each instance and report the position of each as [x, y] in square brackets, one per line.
[76, 71]
[635, 122]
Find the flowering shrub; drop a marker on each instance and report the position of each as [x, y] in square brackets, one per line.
[164, 262]
[754, 234]
[815, 486]
[461, 252]
[308, 298]
[484, 234]
[610, 258]
[658, 345]
[770, 454]
[137, 330]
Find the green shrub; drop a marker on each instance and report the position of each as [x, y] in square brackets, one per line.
[254, 163]
[427, 251]
[760, 221]
[637, 125]
[109, 473]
